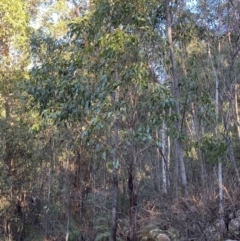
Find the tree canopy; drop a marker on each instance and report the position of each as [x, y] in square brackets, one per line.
[119, 120]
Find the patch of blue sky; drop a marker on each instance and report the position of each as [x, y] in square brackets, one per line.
[192, 5]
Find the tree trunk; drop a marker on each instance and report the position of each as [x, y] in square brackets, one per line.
[133, 202]
[220, 181]
[178, 147]
[67, 200]
[115, 170]
[164, 164]
[236, 109]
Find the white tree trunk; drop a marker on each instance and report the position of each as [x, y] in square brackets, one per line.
[220, 181]
[179, 163]
[164, 164]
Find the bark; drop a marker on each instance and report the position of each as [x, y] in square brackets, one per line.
[164, 164]
[115, 172]
[236, 109]
[51, 167]
[168, 149]
[67, 200]
[179, 163]
[133, 203]
[158, 163]
[220, 181]
[80, 182]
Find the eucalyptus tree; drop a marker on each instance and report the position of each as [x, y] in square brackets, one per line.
[178, 146]
[214, 65]
[12, 40]
[221, 61]
[120, 42]
[77, 82]
[97, 81]
[17, 148]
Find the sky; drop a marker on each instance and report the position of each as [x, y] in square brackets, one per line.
[191, 4]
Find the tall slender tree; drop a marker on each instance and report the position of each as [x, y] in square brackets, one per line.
[179, 163]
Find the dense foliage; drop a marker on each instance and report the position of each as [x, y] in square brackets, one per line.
[119, 120]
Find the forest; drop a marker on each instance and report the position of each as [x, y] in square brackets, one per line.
[119, 120]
